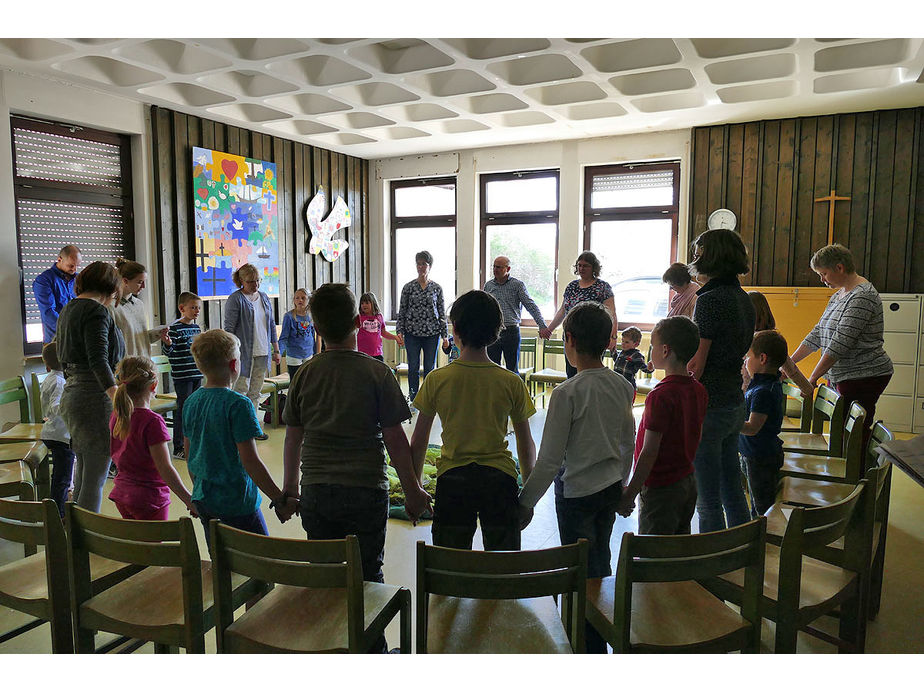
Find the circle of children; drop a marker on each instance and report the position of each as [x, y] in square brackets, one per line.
[343, 407]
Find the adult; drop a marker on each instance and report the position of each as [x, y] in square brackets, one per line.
[587, 287]
[421, 322]
[249, 316]
[725, 317]
[511, 293]
[849, 334]
[54, 287]
[682, 290]
[89, 347]
[129, 313]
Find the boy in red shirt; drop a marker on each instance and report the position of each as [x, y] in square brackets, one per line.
[668, 435]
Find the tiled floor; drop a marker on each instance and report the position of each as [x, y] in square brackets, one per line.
[898, 629]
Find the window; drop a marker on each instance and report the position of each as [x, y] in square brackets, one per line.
[519, 219]
[630, 223]
[423, 217]
[72, 185]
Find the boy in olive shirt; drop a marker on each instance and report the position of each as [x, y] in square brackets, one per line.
[474, 397]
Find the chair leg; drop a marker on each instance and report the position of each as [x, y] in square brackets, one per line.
[275, 415]
[875, 587]
[852, 626]
[786, 637]
[404, 620]
[160, 648]
[62, 638]
[85, 641]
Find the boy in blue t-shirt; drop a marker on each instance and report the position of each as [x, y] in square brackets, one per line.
[759, 443]
[221, 427]
[186, 377]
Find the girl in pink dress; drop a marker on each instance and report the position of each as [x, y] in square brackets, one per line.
[146, 476]
[371, 327]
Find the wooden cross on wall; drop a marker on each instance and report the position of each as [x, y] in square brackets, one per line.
[831, 199]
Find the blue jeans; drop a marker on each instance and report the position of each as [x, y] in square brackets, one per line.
[253, 523]
[184, 388]
[719, 496]
[414, 344]
[62, 471]
[507, 344]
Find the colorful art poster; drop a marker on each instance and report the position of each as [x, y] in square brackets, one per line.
[236, 222]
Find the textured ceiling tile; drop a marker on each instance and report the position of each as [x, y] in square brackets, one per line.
[752, 69]
[249, 112]
[419, 112]
[595, 110]
[570, 92]
[375, 94]
[255, 48]
[669, 102]
[458, 126]
[725, 47]
[490, 48]
[516, 120]
[300, 127]
[856, 55]
[852, 81]
[757, 92]
[654, 82]
[248, 83]
[186, 94]
[357, 121]
[491, 103]
[632, 55]
[108, 71]
[451, 82]
[536, 69]
[174, 56]
[33, 49]
[394, 57]
[308, 104]
[319, 70]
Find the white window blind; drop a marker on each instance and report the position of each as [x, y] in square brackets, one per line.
[46, 156]
[641, 180]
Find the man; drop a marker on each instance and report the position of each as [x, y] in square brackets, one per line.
[511, 294]
[54, 287]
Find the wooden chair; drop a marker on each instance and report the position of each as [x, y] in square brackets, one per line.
[169, 602]
[527, 364]
[880, 435]
[799, 589]
[274, 386]
[163, 402]
[501, 601]
[646, 382]
[37, 585]
[655, 604]
[549, 376]
[805, 405]
[828, 406]
[318, 604]
[21, 446]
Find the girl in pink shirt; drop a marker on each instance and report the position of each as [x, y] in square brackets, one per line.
[371, 327]
[139, 447]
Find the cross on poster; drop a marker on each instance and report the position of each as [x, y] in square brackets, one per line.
[235, 221]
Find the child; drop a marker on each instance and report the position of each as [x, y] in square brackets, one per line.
[453, 351]
[668, 435]
[186, 377]
[221, 426]
[54, 432]
[764, 320]
[629, 359]
[586, 445]
[141, 490]
[759, 443]
[296, 341]
[371, 327]
[474, 397]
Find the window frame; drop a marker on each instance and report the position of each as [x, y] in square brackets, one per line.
[417, 222]
[26, 188]
[672, 211]
[510, 218]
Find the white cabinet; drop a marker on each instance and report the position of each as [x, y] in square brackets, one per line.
[900, 406]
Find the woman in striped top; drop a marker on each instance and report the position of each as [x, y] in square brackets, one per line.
[849, 334]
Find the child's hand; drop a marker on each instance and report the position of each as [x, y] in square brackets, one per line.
[626, 504]
[526, 516]
[416, 503]
[286, 510]
[192, 509]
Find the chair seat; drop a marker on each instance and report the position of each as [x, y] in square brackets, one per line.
[160, 403]
[301, 619]
[805, 442]
[402, 369]
[23, 432]
[489, 626]
[812, 492]
[646, 385]
[280, 382]
[549, 375]
[525, 371]
[14, 473]
[32, 453]
[821, 582]
[668, 615]
[801, 463]
[166, 395]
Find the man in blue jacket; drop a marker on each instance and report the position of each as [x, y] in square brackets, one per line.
[54, 287]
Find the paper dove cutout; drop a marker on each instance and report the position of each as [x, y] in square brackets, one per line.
[322, 231]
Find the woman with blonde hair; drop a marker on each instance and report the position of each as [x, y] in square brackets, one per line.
[129, 313]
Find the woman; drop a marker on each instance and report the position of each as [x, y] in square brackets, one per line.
[421, 322]
[89, 347]
[588, 287]
[129, 313]
[725, 317]
[683, 290]
[249, 316]
[849, 334]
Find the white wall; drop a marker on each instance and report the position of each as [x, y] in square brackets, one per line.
[570, 157]
[39, 97]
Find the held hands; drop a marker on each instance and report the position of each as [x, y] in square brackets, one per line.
[545, 333]
[164, 337]
[626, 504]
[445, 343]
[526, 516]
[285, 510]
[614, 344]
[400, 339]
[416, 503]
[277, 359]
[191, 508]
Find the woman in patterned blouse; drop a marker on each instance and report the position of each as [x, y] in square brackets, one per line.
[588, 287]
[421, 322]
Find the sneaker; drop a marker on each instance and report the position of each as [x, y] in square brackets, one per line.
[112, 471]
[262, 436]
[179, 455]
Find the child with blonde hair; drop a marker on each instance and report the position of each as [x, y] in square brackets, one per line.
[297, 339]
[141, 490]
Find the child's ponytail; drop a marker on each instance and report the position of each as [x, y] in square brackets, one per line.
[135, 375]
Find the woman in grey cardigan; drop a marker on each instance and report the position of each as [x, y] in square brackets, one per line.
[89, 347]
[249, 316]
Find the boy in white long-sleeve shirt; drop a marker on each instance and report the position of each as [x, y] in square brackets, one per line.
[586, 445]
[54, 432]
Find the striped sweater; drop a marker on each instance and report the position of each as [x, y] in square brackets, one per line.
[850, 330]
[182, 364]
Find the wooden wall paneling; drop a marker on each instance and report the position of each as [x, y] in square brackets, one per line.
[878, 261]
[749, 217]
[352, 231]
[916, 253]
[273, 150]
[220, 135]
[860, 189]
[782, 237]
[161, 124]
[842, 176]
[734, 160]
[824, 181]
[898, 228]
[211, 316]
[184, 239]
[804, 220]
[337, 272]
[318, 178]
[763, 247]
[699, 182]
[716, 193]
[301, 190]
[364, 202]
[233, 140]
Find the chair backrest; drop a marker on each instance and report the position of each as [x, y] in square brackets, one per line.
[806, 405]
[829, 406]
[14, 390]
[528, 352]
[162, 365]
[36, 395]
[853, 442]
[23, 522]
[319, 564]
[552, 347]
[692, 557]
[505, 575]
[878, 435]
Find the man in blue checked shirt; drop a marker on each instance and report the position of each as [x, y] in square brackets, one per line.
[511, 293]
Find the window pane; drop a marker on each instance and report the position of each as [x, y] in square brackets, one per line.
[522, 195]
[441, 244]
[639, 189]
[634, 255]
[426, 200]
[531, 249]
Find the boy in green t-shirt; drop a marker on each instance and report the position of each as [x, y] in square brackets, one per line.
[474, 397]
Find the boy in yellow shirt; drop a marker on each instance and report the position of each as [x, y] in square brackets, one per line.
[474, 397]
